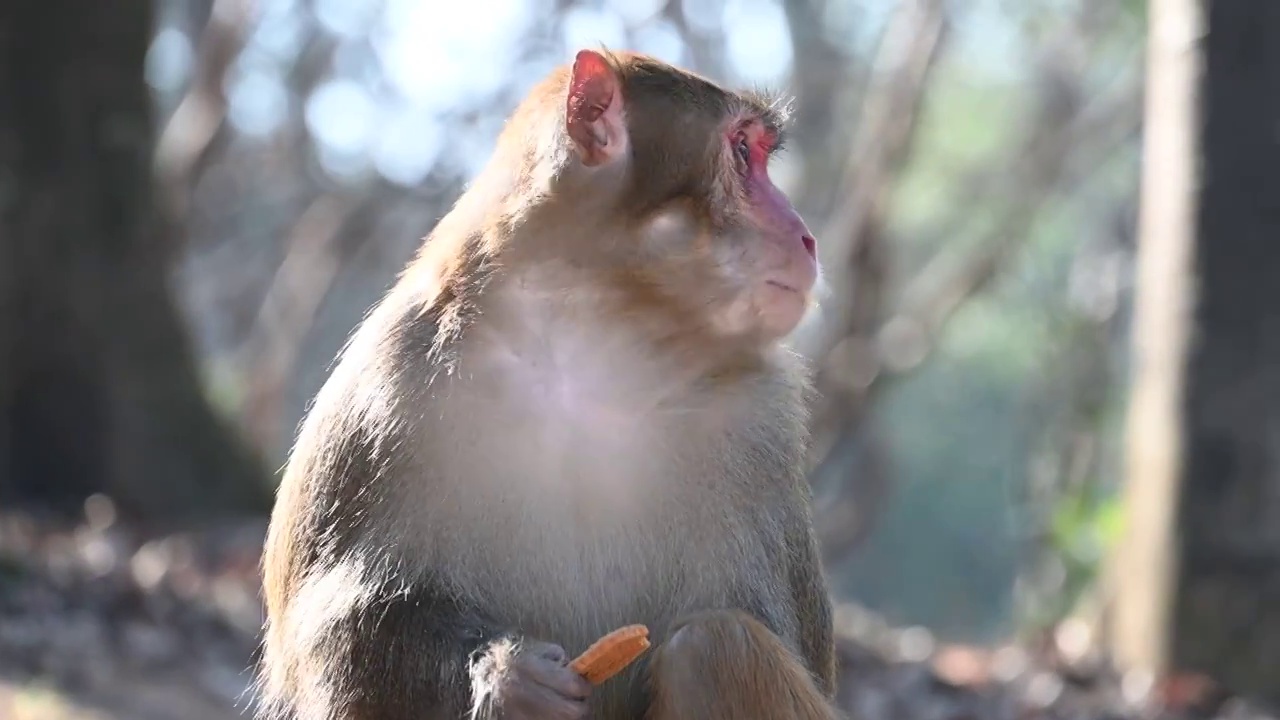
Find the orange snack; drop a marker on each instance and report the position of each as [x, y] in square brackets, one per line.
[610, 654]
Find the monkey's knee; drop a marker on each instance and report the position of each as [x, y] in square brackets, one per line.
[727, 664]
[713, 636]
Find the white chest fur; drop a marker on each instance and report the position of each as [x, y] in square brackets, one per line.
[588, 398]
[580, 455]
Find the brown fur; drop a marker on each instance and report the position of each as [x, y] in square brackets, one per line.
[759, 677]
[422, 530]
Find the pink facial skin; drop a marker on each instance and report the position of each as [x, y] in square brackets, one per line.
[789, 266]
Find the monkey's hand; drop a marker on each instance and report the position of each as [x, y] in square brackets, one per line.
[529, 681]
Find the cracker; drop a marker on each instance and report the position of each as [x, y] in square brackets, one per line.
[610, 654]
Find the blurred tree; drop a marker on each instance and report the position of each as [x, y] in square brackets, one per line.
[98, 388]
[1198, 579]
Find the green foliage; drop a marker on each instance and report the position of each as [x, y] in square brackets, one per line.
[1017, 373]
[11, 571]
[945, 553]
[966, 122]
[1083, 528]
[224, 387]
[40, 700]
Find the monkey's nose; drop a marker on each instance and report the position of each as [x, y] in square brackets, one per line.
[810, 245]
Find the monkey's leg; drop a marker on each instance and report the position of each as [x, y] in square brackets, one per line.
[726, 665]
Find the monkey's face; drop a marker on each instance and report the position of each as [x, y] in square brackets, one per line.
[763, 243]
[734, 248]
[716, 235]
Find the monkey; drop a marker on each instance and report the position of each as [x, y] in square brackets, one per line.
[746, 655]
[574, 409]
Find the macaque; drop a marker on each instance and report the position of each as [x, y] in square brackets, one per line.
[574, 411]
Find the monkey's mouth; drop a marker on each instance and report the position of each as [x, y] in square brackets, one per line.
[783, 286]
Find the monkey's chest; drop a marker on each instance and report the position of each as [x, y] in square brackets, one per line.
[601, 530]
[605, 488]
[587, 568]
[581, 425]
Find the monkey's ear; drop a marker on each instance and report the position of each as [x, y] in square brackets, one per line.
[594, 116]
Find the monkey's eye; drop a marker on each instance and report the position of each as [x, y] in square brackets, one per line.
[744, 150]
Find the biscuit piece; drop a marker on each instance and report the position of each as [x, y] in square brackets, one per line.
[610, 654]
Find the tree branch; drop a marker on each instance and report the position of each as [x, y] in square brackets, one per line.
[854, 233]
[186, 141]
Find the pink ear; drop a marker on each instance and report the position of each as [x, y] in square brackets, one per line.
[594, 115]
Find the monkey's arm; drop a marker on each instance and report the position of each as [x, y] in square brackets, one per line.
[371, 634]
[421, 654]
[813, 605]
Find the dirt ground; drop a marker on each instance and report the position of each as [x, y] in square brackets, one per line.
[96, 624]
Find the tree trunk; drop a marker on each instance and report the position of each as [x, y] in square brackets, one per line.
[1199, 572]
[98, 387]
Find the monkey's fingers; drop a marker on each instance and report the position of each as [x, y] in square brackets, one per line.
[610, 654]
